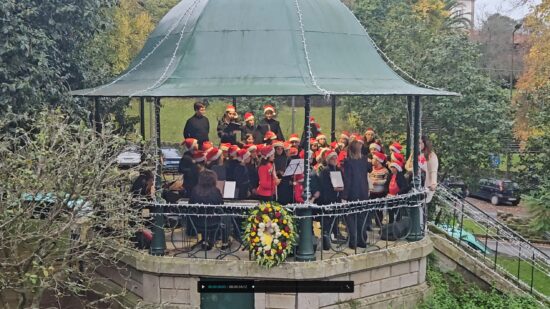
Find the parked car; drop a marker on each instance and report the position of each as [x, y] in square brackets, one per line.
[130, 157]
[457, 186]
[498, 191]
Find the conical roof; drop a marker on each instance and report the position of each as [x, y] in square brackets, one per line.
[256, 48]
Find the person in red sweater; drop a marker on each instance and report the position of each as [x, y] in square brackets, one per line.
[398, 185]
[268, 181]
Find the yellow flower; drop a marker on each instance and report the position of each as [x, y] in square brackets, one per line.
[256, 221]
[278, 208]
[253, 234]
[284, 221]
[269, 209]
[257, 239]
[267, 240]
[275, 220]
[266, 218]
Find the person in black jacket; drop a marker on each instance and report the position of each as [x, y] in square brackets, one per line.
[284, 188]
[187, 166]
[270, 124]
[207, 193]
[228, 126]
[329, 194]
[197, 126]
[250, 127]
[356, 188]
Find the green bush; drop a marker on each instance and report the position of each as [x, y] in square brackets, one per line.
[451, 291]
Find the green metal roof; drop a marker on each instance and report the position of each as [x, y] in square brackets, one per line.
[257, 48]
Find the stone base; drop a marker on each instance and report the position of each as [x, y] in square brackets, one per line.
[393, 277]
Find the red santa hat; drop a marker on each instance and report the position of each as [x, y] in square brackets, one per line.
[320, 136]
[294, 138]
[376, 146]
[321, 153]
[278, 144]
[198, 156]
[359, 138]
[225, 146]
[334, 145]
[213, 154]
[397, 165]
[397, 157]
[206, 145]
[269, 108]
[248, 116]
[233, 150]
[230, 108]
[379, 156]
[313, 141]
[190, 143]
[251, 147]
[242, 154]
[293, 151]
[267, 151]
[329, 154]
[371, 130]
[270, 135]
[396, 147]
[286, 145]
[345, 134]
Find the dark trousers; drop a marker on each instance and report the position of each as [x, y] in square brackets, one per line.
[357, 229]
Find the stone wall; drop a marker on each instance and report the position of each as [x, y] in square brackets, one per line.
[393, 277]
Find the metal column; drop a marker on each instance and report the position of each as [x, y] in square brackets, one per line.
[158, 244]
[305, 248]
[333, 119]
[415, 214]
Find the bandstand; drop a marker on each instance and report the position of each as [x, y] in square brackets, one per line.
[256, 48]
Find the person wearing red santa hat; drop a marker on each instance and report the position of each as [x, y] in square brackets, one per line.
[315, 130]
[241, 174]
[228, 126]
[329, 193]
[214, 162]
[224, 147]
[268, 181]
[249, 130]
[322, 140]
[231, 163]
[187, 166]
[369, 138]
[294, 140]
[268, 123]
[344, 138]
[397, 185]
[379, 178]
[206, 146]
[269, 137]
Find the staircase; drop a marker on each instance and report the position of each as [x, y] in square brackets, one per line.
[492, 243]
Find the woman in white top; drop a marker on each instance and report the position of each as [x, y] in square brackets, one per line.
[429, 164]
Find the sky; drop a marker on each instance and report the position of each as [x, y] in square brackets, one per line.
[512, 8]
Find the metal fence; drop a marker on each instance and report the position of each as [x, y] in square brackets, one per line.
[340, 229]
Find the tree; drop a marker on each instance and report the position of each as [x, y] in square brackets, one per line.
[533, 88]
[59, 182]
[467, 128]
[495, 38]
[42, 54]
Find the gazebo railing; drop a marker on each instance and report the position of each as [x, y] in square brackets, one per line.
[215, 231]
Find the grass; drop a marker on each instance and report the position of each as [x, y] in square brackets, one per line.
[541, 281]
[475, 228]
[175, 112]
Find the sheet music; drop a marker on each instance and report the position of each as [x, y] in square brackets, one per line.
[336, 179]
[295, 167]
[229, 189]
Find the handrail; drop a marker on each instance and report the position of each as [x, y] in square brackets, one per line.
[445, 189]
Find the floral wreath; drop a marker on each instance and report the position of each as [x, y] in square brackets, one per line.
[269, 234]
